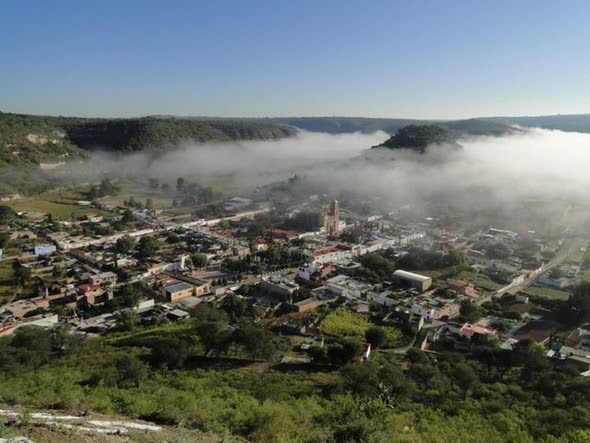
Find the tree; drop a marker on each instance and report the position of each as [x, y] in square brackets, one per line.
[498, 251]
[376, 336]
[149, 204]
[464, 376]
[128, 296]
[131, 371]
[33, 346]
[147, 247]
[106, 188]
[213, 335]
[59, 271]
[22, 274]
[127, 319]
[224, 224]
[180, 184]
[128, 216]
[171, 352]
[235, 306]
[471, 311]
[376, 267]
[7, 214]
[362, 379]
[256, 341]
[64, 341]
[125, 244]
[208, 312]
[579, 303]
[154, 183]
[4, 239]
[199, 260]
[351, 349]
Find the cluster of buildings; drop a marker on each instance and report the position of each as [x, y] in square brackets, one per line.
[325, 268]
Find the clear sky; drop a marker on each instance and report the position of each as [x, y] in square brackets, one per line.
[410, 58]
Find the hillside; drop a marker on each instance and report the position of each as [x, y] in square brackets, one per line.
[159, 133]
[571, 123]
[32, 140]
[419, 137]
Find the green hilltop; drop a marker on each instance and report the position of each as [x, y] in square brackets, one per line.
[419, 137]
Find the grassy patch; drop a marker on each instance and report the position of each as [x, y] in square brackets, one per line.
[546, 292]
[7, 289]
[576, 257]
[145, 335]
[480, 281]
[345, 323]
[61, 204]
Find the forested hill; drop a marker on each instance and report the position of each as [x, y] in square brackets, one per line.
[571, 123]
[338, 125]
[160, 133]
[419, 137]
[31, 140]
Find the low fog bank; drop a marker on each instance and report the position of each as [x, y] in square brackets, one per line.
[249, 163]
[537, 163]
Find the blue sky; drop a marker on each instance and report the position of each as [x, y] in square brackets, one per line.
[411, 58]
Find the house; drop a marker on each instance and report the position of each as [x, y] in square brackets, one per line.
[177, 314]
[279, 285]
[330, 254]
[188, 303]
[464, 288]
[104, 279]
[538, 331]
[176, 291]
[309, 304]
[346, 286]
[576, 358]
[44, 249]
[20, 308]
[314, 272]
[468, 330]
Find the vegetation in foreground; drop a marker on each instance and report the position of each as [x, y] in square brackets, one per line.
[492, 394]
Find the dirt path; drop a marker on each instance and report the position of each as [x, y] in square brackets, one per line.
[53, 426]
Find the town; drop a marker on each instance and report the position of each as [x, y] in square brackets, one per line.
[333, 283]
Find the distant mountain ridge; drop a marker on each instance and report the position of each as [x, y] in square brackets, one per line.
[33, 140]
[566, 122]
[340, 125]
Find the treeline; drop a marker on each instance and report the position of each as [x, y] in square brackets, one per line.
[379, 266]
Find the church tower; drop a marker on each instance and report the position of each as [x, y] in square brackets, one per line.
[332, 219]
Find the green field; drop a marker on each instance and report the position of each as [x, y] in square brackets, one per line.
[347, 324]
[140, 192]
[546, 292]
[61, 204]
[576, 257]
